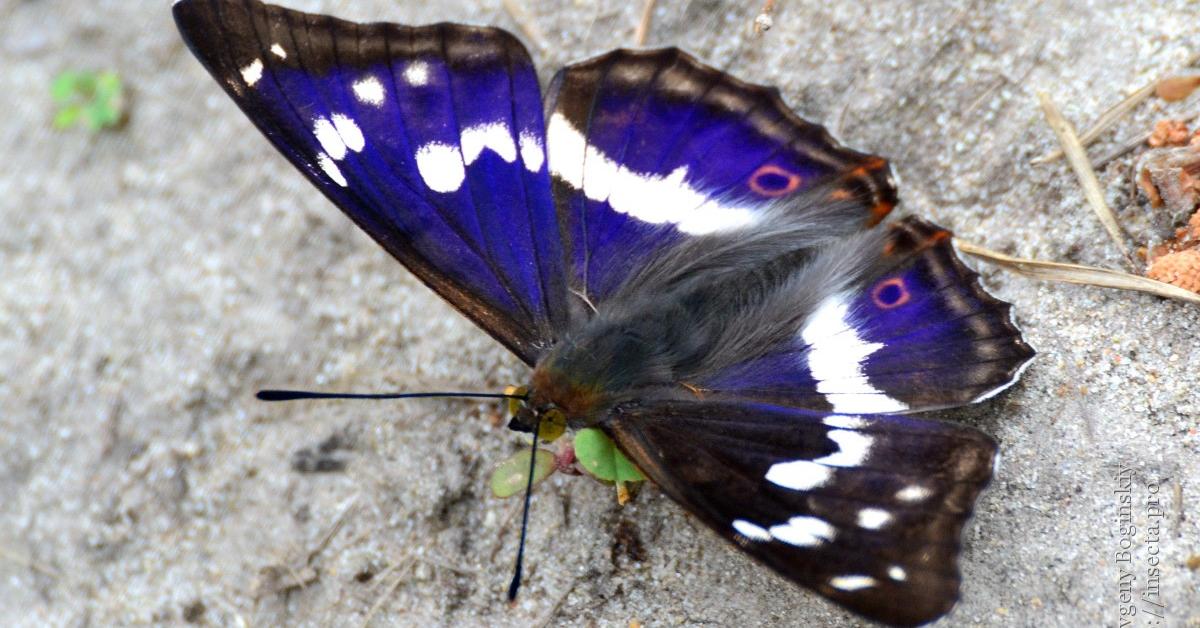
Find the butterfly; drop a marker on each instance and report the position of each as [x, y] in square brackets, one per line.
[682, 262]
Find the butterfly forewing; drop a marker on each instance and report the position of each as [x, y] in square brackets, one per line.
[866, 510]
[652, 148]
[430, 138]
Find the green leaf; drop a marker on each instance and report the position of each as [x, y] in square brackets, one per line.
[511, 476]
[600, 457]
[108, 86]
[67, 117]
[63, 87]
[96, 115]
[95, 100]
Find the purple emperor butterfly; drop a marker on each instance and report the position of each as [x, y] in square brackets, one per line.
[682, 261]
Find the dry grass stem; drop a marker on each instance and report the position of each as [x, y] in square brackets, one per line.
[37, 566]
[1113, 114]
[643, 27]
[763, 22]
[1130, 144]
[1083, 170]
[387, 594]
[351, 508]
[1078, 274]
[516, 10]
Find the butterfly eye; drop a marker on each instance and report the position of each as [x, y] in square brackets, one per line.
[554, 424]
[890, 293]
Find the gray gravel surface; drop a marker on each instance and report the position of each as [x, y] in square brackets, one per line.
[152, 278]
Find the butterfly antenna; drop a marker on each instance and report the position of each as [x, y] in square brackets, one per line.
[515, 585]
[292, 395]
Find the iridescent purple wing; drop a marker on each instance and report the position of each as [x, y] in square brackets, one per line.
[866, 510]
[919, 333]
[650, 148]
[430, 138]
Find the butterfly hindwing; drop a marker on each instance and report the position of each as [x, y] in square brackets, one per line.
[866, 510]
[651, 148]
[431, 138]
[918, 332]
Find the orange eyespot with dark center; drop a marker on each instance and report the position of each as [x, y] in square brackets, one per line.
[890, 293]
[771, 180]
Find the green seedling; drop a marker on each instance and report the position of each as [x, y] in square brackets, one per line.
[95, 100]
[511, 476]
[599, 456]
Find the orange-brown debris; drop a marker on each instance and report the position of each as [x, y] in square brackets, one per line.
[1181, 269]
[1169, 133]
[1171, 177]
[1175, 88]
[1185, 237]
[1146, 183]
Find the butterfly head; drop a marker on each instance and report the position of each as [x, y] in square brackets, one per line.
[554, 399]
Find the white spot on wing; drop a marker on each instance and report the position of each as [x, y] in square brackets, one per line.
[330, 139]
[803, 531]
[369, 91]
[495, 136]
[913, 493]
[351, 135]
[567, 151]
[253, 72]
[799, 475]
[278, 51]
[331, 169]
[873, 518]
[751, 531]
[651, 198]
[852, 583]
[848, 422]
[417, 73]
[853, 449]
[441, 166]
[531, 152]
[836, 354]
[897, 573]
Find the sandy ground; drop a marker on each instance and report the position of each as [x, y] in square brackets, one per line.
[152, 278]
